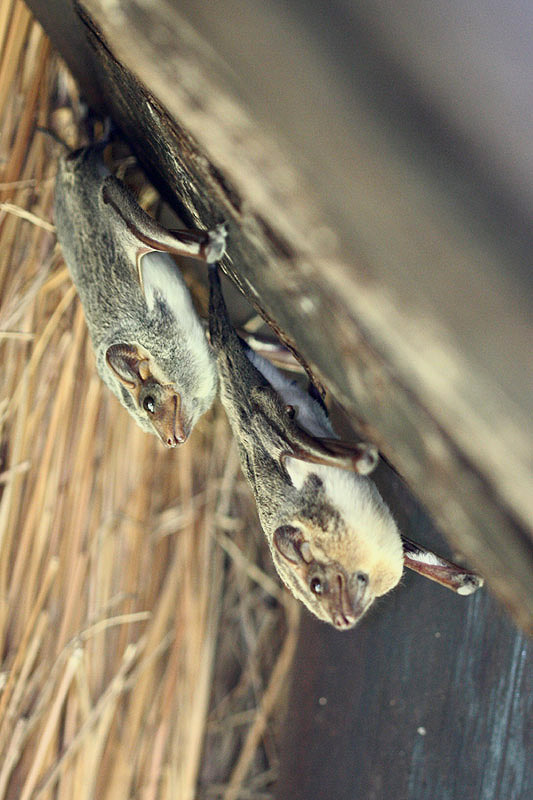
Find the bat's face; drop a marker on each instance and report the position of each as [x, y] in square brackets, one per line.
[157, 405]
[342, 549]
[160, 406]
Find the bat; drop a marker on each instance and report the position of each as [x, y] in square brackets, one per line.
[150, 347]
[333, 540]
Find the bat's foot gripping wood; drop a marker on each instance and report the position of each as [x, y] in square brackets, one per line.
[216, 246]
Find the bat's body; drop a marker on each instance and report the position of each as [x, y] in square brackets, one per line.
[150, 348]
[333, 540]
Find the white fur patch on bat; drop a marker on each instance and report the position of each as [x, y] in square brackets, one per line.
[161, 279]
[426, 557]
[309, 413]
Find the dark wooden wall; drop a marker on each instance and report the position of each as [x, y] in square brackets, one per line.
[429, 698]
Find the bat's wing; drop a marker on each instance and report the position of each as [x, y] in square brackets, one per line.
[439, 569]
[359, 457]
[150, 236]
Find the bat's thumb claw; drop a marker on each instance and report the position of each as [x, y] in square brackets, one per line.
[216, 247]
[367, 459]
[470, 583]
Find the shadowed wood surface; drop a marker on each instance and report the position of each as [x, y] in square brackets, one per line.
[429, 698]
[423, 701]
[422, 330]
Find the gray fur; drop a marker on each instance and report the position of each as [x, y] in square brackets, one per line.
[100, 249]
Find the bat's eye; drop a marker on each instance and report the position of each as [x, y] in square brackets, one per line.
[291, 411]
[316, 586]
[149, 404]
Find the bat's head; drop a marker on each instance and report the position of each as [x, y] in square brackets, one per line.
[341, 548]
[158, 406]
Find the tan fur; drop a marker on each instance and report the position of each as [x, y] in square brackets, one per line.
[333, 540]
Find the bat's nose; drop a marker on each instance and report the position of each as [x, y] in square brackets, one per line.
[178, 437]
[181, 428]
[350, 599]
[342, 605]
[177, 429]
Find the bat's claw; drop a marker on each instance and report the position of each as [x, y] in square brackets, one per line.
[216, 247]
[367, 460]
[470, 583]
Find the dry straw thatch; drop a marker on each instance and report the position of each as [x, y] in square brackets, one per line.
[144, 646]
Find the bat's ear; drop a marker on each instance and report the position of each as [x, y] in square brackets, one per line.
[130, 366]
[290, 543]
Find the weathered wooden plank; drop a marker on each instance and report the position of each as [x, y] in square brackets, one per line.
[401, 329]
[423, 701]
